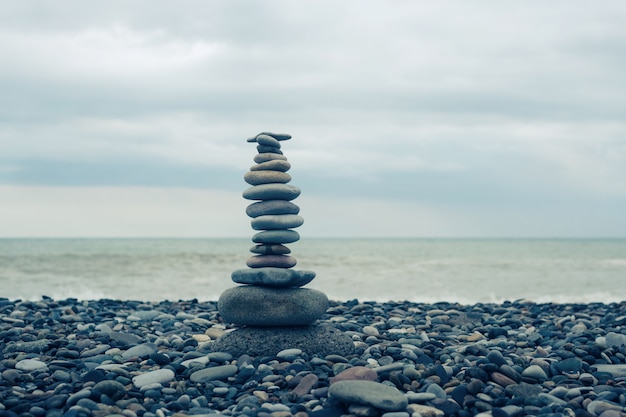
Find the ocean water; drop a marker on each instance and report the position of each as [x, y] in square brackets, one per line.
[422, 270]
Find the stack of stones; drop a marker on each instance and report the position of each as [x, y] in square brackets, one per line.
[271, 293]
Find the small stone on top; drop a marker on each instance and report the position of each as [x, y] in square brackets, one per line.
[277, 136]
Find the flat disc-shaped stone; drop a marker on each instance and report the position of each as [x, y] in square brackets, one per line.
[272, 192]
[266, 140]
[266, 177]
[268, 207]
[370, 393]
[263, 306]
[264, 157]
[268, 149]
[276, 236]
[274, 261]
[273, 165]
[270, 249]
[273, 277]
[277, 222]
[277, 136]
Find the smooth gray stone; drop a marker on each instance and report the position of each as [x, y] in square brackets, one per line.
[158, 376]
[535, 372]
[268, 149]
[213, 373]
[268, 207]
[615, 339]
[270, 249]
[272, 277]
[262, 306]
[271, 261]
[30, 365]
[266, 140]
[321, 340]
[272, 192]
[273, 165]
[277, 136]
[375, 394]
[264, 157]
[277, 222]
[143, 350]
[266, 177]
[276, 236]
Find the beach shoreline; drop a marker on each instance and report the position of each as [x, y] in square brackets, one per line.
[73, 357]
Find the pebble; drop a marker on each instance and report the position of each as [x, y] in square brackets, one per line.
[535, 372]
[277, 221]
[31, 365]
[281, 306]
[273, 165]
[371, 393]
[265, 157]
[356, 373]
[267, 140]
[285, 192]
[158, 376]
[276, 236]
[271, 207]
[271, 261]
[266, 177]
[270, 249]
[274, 277]
[213, 373]
[141, 351]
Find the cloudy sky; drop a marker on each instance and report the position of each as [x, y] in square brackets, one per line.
[409, 118]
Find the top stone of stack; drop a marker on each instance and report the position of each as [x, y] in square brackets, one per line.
[269, 137]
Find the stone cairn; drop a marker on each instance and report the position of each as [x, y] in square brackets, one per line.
[272, 293]
[271, 305]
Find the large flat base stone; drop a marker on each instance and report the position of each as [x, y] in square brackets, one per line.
[320, 340]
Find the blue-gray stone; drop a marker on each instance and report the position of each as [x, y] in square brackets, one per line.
[276, 236]
[268, 149]
[615, 339]
[270, 249]
[375, 394]
[264, 157]
[273, 277]
[270, 207]
[277, 136]
[30, 365]
[143, 350]
[271, 261]
[272, 192]
[277, 221]
[264, 306]
[267, 140]
[158, 376]
[273, 165]
[213, 373]
[266, 177]
[110, 388]
[535, 372]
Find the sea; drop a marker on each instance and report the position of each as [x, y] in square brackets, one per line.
[465, 271]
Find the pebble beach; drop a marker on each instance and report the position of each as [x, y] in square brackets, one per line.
[134, 358]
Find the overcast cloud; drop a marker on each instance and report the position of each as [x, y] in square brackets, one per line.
[409, 118]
